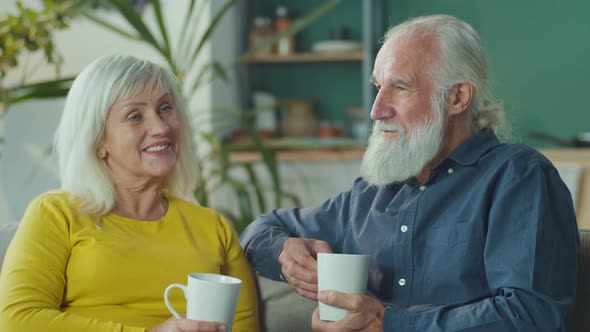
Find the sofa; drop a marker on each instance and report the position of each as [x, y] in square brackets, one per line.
[283, 310]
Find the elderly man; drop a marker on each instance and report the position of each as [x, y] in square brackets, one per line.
[467, 233]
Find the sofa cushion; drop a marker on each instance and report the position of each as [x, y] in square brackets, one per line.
[580, 320]
[6, 233]
[282, 309]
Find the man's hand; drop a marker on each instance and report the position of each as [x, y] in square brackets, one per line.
[364, 313]
[299, 264]
[188, 325]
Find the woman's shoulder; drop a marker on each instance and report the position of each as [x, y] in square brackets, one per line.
[52, 199]
[54, 207]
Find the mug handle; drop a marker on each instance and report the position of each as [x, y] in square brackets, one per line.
[168, 289]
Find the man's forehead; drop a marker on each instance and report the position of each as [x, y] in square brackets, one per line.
[404, 58]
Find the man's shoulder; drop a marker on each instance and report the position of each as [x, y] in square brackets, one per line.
[517, 156]
[517, 152]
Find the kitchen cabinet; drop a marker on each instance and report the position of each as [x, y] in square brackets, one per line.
[336, 81]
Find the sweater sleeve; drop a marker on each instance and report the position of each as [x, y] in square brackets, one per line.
[33, 280]
[236, 265]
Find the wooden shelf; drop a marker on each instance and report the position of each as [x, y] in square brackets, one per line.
[301, 149]
[321, 154]
[308, 57]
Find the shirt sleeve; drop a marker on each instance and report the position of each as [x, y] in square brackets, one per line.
[33, 280]
[530, 257]
[236, 265]
[263, 239]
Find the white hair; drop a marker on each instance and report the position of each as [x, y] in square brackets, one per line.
[462, 59]
[82, 127]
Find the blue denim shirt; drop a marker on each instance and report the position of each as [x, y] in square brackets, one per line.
[488, 243]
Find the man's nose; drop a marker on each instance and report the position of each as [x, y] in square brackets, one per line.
[382, 108]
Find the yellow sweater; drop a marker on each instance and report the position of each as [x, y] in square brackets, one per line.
[62, 273]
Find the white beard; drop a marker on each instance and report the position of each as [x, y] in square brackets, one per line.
[387, 161]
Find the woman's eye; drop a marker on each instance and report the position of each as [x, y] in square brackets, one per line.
[165, 108]
[134, 117]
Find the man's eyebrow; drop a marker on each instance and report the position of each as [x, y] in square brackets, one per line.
[393, 80]
[399, 81]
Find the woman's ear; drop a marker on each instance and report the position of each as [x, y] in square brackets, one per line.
[460, 98]
[102, 153]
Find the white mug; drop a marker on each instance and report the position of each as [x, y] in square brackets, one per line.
[209, 297]
[344, 273]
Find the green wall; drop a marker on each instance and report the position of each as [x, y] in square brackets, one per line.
[335, 86]
[539, 54]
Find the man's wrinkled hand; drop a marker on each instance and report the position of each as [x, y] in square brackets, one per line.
[364, 313]
[299, 264]
[188, 325]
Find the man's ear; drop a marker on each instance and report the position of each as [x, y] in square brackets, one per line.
[460, 97]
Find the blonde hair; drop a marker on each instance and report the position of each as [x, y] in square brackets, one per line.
[82, 127]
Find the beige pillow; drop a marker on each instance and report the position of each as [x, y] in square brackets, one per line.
[282, 309]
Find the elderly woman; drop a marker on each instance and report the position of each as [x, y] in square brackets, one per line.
[98, 254]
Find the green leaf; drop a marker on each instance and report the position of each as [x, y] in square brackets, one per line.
[66, 81]
[294, 198]
[220, 14]
[201, 194]
[189, 36]
[216, 68]
[45, 89]
[135, 20]
[269, 160]
[223, 160]
[162, 27]
[254, 184]
[109, 26]
[185, 28]
[244, 205]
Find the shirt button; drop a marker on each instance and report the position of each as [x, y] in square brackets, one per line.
[422, 187]
[402, 282]
[404, 228]
[451, 171]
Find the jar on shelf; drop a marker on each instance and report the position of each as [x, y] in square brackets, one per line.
[300, 119]
[260, 31]
[265, 107]
[283, 20]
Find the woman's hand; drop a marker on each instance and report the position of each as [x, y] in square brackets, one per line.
[188, 325]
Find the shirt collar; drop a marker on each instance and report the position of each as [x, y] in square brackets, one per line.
[473, 148]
